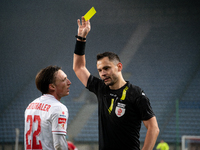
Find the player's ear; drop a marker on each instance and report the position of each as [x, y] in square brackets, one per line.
[120, 66]
[52, 86]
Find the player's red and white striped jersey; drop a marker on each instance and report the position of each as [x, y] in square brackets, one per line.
[44, 117]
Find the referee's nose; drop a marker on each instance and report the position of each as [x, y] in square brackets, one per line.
[103, 73]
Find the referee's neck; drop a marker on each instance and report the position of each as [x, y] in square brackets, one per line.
[118, 85]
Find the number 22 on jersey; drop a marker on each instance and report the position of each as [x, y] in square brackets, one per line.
[34, 125]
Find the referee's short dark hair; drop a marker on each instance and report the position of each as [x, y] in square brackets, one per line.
[112, 56]
[45, 77]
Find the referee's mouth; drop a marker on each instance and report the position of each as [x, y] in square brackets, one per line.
[106, 79]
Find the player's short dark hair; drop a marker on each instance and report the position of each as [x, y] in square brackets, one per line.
[45, 77]
[111, 56]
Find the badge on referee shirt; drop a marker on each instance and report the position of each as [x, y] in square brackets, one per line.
[120, 109]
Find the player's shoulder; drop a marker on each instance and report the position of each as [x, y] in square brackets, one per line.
[53, 102]
[58, 109]
[58, 105]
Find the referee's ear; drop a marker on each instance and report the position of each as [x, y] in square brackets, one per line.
[120, 66]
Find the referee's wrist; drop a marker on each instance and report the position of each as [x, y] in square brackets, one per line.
[80, 47]
[80, 38]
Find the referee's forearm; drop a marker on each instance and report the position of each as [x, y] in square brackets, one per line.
[150, 139]
[78, 62]
[151, 136]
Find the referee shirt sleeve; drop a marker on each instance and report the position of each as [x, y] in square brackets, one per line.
[94, 84]
[145, 108]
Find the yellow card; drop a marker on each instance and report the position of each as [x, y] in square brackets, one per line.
[89, 14]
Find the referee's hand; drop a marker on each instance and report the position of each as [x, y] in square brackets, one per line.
[83, 27]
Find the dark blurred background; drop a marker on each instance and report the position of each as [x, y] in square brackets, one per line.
[158, 42]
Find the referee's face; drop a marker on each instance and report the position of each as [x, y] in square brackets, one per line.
[108, 71]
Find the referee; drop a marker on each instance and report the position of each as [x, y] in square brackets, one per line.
[121, 106]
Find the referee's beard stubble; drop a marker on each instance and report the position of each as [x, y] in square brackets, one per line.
[109, 81]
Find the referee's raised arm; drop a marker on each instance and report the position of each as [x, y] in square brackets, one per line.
[79, 63]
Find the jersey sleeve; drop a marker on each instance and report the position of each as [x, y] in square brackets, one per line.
[94, 84]
[59, 120]
[144, 106]
[60, 142]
